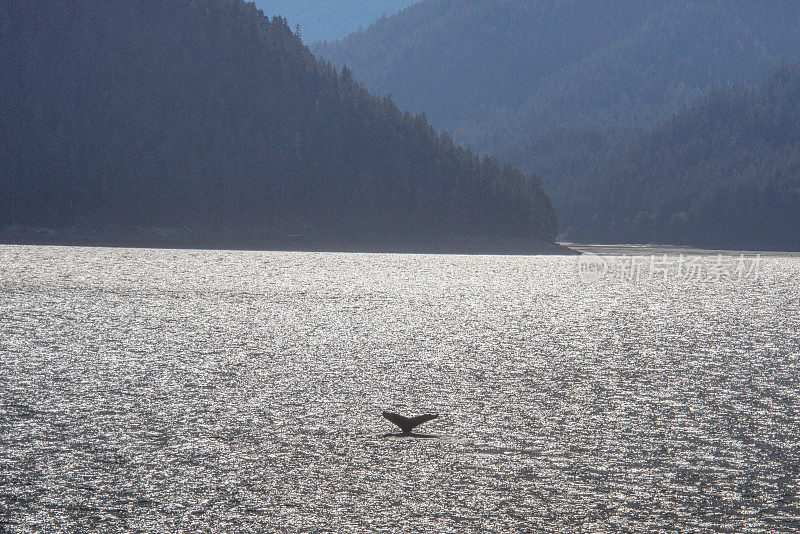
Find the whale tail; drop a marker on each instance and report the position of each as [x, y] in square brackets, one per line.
[407, 424]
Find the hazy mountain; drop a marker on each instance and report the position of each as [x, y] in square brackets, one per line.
[322, 20]
[205, 118]
[492, 71]
[722, 173]
[553, 85]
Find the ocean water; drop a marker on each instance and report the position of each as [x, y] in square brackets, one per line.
[209, 391]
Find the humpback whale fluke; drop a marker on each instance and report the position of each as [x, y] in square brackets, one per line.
[407, 424]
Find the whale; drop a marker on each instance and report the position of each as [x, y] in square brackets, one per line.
[407, 424]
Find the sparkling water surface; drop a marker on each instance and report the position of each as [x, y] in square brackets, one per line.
[211, 391]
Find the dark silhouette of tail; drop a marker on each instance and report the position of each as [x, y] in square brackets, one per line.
[407, 424]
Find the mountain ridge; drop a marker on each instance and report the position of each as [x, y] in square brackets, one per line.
[205, 121]
[723, 173]
[538, 56]
[556, 86]
[328, 20]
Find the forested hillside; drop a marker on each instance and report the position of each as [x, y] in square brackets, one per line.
[493, 72]
[322, 20]
[723, 173]
[203, 118]
[555, 86]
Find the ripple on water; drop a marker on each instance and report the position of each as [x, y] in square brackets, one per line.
[206, 391]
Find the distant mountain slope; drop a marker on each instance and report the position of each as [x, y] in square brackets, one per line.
[554, 86]
[463, 60]
[723, 173]
[205, 118]
[494, 72]
[328, 20]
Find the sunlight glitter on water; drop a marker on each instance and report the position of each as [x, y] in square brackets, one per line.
[208, 391]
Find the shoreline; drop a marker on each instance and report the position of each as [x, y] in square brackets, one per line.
[633, 249]
[238, 242]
